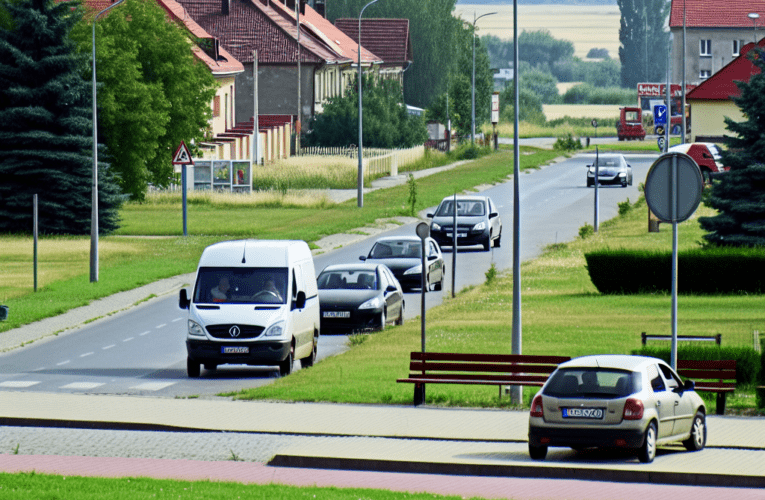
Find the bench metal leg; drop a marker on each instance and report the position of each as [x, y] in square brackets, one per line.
[419, 394]
[721, 396]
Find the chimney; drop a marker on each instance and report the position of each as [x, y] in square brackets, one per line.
[319, 7]
[302, 7]
[290, 4]
[225, 7]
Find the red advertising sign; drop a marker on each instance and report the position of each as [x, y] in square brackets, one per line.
[660, 89]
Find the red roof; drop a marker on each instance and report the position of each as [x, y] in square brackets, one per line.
[225, 64]
[388, 38]
[716, 14]
[722, 85]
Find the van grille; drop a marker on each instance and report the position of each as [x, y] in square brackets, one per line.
[230, 331]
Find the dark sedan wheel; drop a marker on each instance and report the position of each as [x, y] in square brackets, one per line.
[698, 438]
[647, 451]
[537, 452]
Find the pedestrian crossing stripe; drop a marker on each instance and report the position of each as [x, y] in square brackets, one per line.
[152, 386]
[82, 385]
[18, 383]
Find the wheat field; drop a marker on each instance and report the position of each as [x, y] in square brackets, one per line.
[587, 26]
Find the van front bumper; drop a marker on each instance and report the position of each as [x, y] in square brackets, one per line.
[270, 352]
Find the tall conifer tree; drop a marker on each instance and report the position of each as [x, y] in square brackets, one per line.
[739, 195]
[46, 123]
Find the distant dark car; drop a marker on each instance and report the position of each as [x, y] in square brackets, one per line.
[359, 297]
[478, 222]
[613, 169]
[402, 255]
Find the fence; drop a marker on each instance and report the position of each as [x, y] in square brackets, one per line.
[376, 161]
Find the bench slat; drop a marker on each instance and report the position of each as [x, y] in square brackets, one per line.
[712, 364]
[466, 382]
[482, 367]
[517, 379]
[484, 358]
[715, 386]
[708, 374]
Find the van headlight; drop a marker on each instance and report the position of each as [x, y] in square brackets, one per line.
[375, 303]
[414, 270]
[275, 330]
[196, 329]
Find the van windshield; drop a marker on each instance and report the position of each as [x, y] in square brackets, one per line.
[236, 285]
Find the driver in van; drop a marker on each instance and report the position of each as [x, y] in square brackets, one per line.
[269, 286]
[220, 292]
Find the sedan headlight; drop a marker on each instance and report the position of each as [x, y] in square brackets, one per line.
[622, 174]
[435, 227]
[375, 303]
[481, 226]
[196, 329]
[414, 270]
[275, 330]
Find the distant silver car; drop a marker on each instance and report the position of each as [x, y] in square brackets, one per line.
[612, 169]
[478, 222]
[616, 401]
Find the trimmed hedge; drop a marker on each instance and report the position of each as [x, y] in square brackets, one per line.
[700, 271]
[748, 361]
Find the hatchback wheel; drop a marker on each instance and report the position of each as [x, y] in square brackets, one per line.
[537, 452]
[698, 438]
[647, 451]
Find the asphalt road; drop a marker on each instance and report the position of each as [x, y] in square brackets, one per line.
[141, 351]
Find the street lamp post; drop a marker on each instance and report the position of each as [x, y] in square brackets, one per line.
[754, 17]
[360, 183]
[472, 121]
[94, 199]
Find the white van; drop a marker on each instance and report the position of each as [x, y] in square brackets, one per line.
[255, 302]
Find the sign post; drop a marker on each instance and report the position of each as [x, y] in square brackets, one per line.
[182, 157]
[673, 193]
[495, 117]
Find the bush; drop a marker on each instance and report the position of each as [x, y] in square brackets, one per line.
[624, 207]
[747, 359]
[469, 151]
[567, 143]
[586, 231]
[707, 271]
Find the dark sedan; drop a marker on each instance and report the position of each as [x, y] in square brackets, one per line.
[402, 254]
[359, 297]
[612, 169]
[478, 221]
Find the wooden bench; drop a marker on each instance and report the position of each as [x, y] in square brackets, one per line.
[478, 369]
[698, 338]
[711, 376]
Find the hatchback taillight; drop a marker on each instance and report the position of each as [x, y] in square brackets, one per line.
[633, 409]
[536, 407]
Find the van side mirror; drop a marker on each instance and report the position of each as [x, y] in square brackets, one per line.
[493, 214]
[183, 300]
[299, 302]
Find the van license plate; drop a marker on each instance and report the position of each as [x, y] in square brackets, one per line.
[234, 350]
[337, 314]
[593, 413]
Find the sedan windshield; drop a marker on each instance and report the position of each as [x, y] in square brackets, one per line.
[347, 280]
[601, 383]
[471, 208]
[236, 285]
[396, 250]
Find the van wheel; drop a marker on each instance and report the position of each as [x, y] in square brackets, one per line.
[211, 366]
[192, 368]
[285, 367]
[311, 359]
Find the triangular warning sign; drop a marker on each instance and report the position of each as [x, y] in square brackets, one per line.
[182, 155]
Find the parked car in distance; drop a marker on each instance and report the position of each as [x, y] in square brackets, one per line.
[359, 297]
[478, 222]
[613, 169]
[402, 255]
[706, 155]
[616, 401]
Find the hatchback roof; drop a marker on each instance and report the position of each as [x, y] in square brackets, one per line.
[620, 361]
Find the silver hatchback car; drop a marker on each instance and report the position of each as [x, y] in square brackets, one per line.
[616, 401]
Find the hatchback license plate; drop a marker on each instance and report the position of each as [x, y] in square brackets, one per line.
[593, 413]
[234, 350]
[459, 235]
[337, 314]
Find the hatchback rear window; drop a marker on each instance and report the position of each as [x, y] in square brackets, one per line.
[593, 383]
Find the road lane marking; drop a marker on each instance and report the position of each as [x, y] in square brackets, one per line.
[107, 347]
[144, 333]
[82, 385]
[152, 386]
[86, 354]
[63, 362]
[18, 384]
[128, 339]
[181, 319]
[160, 326]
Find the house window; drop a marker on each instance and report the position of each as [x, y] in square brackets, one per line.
[705, 47]
[704, 74]
[216, 106]
[736, 47]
